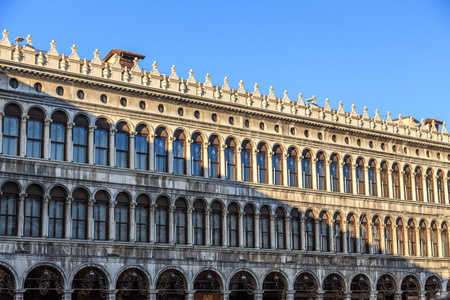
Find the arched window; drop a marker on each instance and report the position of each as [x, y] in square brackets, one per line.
[32, 220]
[197, 154]
[320, 172]
[277, 165]
[80, 139]
[35, 127]
[419, 185]
[434, 240]
[198, 218]
[292, 167]
[249, 226]
[180, 218]
[11, 129]
[58, 136]
[261, 158]
[233, 225]
[122, 137]
[179, 152]
[161, 160]
[8, 208]
[216, 224]
[230, 159]
[142, 135]
[430, 186]
[162, 220]
[423, 239]
[440, 187]
[56, 212]
[142, 218]
[324, 226]
[121, 216]
[101, 142]
[246, 161]
[310, 232]
[360, 188]
[448, 185]
[364, 235]
[396, 181]
[351, 233]
[407, 183]
[388, 236]
[412, 238]
[79, 214]
[372, 178]
[264, 227]
[279, 228]
[444, 240]
[306, 169]
[384, 180]
[376, 235]
[334, 173]
[295, 230]
[347, 170]
[400, 233]
[214, 157]
[101, 213]
[337, 233]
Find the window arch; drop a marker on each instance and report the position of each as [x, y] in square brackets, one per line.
[347, 170]
[407, 183]
[277, 165]
[295, 230]
[249, 226]
[162, 220]
[33, 211]
[179, 152]
[79, 214]
[360, 187]
[434, 240]
[216, 224]
[180, 218]
[412, 238]
[388, 227]
[80, 139]
[199, 222]
[292, 161]
[56, 212]
[372, 178]
[321, 172]
[161, 156]
[58, 136]
[334, 173]
[122, 145]
[400, 233]
[337, 233]
[324, 225]
[11, 129]
[280, 217]
[214, 157]
[430, 186]
[101, 215]
[306, 169]
[423, 239]
[376, 235]
[121, 216]
[440, 186]
[35, 126]
[8, 208]
[444, 240]
[101, 142]
[384, 180]
[419, 184]
[351, 233]
[264, 227]
[261, 158]
[233, 225]
[396, 181]
[230, 159]
[310, 232]
[364, 234]
[142, 218]
[197, 154]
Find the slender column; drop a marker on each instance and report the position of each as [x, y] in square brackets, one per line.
[132, 233]
[379, 183]
[366, 180]
[254, 166]
[112, 221]
[112, 148]
[287, 222]
[424, 188]
[319, 295]
[68, 219]
[369, 236]
[69, 142]
[284, 169]
[402, 185]
[151, 150]
[422, 295]
[23, 136]
[394, 239]
[358, 238]
[348, 295]
[341, 176]
[273, 244]
[132, 153]
[90, 219]
[20, 214]
[190, 295]
[344, 237]
[354, 187]
[225, 228]
[270, 171]
[290, 295]
[67, 295]
[222, 161]
[398, 296]
[300, 171]
[152, 295]
[152, 223]
[373, 295]
[258, 294]
[314, 173]
[188, 158]
[257, 233]
[390, 183]
[435, 190]
[226, 295]
[331, 235]
[303, 233]
[19, 294]
[208, 228]
[445, 183]
[46, 139]
[91, 148]
[241, 229]
[413, 186]
[205, 159]
[44, 228]
[327, 175]
[111, 295]
[170, 155]
[317, 234]
[417, 241]
[171, 225]
[430, 254]
[189, 226]
[439, 240]
[1, 132]
[239, 167]
[383, 238]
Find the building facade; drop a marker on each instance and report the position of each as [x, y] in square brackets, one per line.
[118, 183]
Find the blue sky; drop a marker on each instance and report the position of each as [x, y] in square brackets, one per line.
[390, 55]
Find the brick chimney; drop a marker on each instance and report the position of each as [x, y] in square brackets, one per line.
[126, 57]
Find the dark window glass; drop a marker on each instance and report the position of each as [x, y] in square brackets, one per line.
[320, 175]
[100, 220]
[79, 144]
[34, 138]
[262, 167]
[213, 161]
[230, 163]
[11, 135]
[277, 170]
[310, 233]
[179, 161]
[233, 228]
[306, 173]
[249, 227]
[264, 227]
[334, 176]
[216, 224]
[121, 149]
[196, 152]
[161, 220]
[347, 178]
[121, 218]
[56, 217]
[279, 230]
[372, 181]
[324, 229]
[32, 221]
[141, 152]
[57, 141]
[292, 171]
[161, 154]
[180, 220]
[246, 165]
[8, 212]
[101, 147]
[198, 217]
[79, 218]
[142, 224]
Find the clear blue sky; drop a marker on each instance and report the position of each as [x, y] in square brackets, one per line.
[390, 55]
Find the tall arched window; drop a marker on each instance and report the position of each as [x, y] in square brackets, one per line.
[11, 129]
[295, 230]
[214, 157]
[444, 240]
[180, 219]
[396, 181]
[249, 226]
[412, 238]
[101, 142]
[407, 183]
[161, 159]
[360, 176]
[430, 186]
[142, 135]
[334, 173]
[448, 185]
[347, 170]
[320, 172]
[277, 165]
[372, 178]
[337, 233]
[440, 187]
[388, 236]
[292, 174]
[197, 154]
[261, 158]
[310, 232]
[246, 161]
[280, 228]
[324, 226]
[376, 235]
[351, 233]
[56, 212]
[80, 139]
[121, 211]
[423, 239]
[363, 234]
[306, 169]
[79, 214]
[35, 135]
[58, 136]
[216, 224]
[198, 218]
[434, 240]
[264, 227]
[179, 152]
[384, 180]
[233, 225]
[419, 184]
[142, 218]
[8, 208]
[162, 220]
[32, 220]
[400, 233]
[101, 214]
[122, 137]
[230, 159]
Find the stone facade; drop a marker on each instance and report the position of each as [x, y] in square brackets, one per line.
[119, 183]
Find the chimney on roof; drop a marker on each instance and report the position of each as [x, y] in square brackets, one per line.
[429, 123]
[126, 57]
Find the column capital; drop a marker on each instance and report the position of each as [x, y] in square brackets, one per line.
[69, 200]
[25, 118]
[70, 125]
[92, 128]
[91, 202]
[47, 122]
[46, 199]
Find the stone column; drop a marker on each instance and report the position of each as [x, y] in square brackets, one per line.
[273, 237]
[383, 238]
[439, 241]
[320, 295]
[207, 228]
[151, 152]
[303, 233]
[205, 159]
[422, 295]
[300, 171]
[354, 188]
[111, 295]
[348, 295]
[373, 295]
[132, 233]
[44, 229]
[341, 176]
[20, 214]
[132, 153]
[23, 136]
[90, 220]
[331, 236]
[369, 235]
[430, 253]
[171, 225]
[402, 185]
[317, 234]
[390, 183]
[222, 161]
[284, 169]
[224, 228]
[188, 158]
[314, 173]
[398, 296]
[258, 294]
[424, 188]
[289, 295]
[190, 295]
[91, 148]
[366, 180]
[241, 229]
[344, 237]
[190, 228]
[445, 183]
[435, 189]
[257, 233]
[112, 221]
[1, 132]
[68, 219]
[413, 186]
[152, 295]
[67, 295]
[417, 241]
[152, 223]
[270, 171]
[254, 166]
[394, 239]
[19, 294]
[379, 183]
[46, 141]
[287, 222]
[226, 295]
[69, 142]
[358, 238]
[112, 148]
[239, 166]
